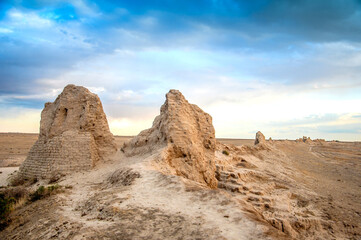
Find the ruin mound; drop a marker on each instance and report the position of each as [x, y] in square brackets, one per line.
[304, 139]
[259, 138]
[187, 137]
[74, 135]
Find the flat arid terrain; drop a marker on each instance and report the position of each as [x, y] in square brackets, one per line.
[14, 148]
[289, 189]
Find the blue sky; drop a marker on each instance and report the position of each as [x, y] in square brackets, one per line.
[287, 68]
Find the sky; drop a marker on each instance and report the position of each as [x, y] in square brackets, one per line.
[288, 68]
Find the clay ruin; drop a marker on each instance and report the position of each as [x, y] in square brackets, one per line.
[74, 135]
[186, 137]
[259, 138]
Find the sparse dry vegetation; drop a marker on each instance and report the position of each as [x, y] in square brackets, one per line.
[16, 180]
[225, 152]
[6, 206]
[10, 199]
[43, 192]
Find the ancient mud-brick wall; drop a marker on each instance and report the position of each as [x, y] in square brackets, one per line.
[74, 135]
[62, 154]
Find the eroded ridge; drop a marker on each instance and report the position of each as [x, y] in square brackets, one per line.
[186, 137]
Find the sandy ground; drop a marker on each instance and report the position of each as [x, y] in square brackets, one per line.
[284, 190]
[236, 142]
[14, 147]
[4, 174]
[151, 206]
[333, 171]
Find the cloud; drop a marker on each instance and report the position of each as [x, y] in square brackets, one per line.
[127, 96]
[344, 128]
[289, 60]
[128, 126]
[18, 119]
[330, 126]
[61, 34]
[256, 23]
[5, 30]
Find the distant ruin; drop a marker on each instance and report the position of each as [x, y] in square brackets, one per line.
[308, 140]
[186, 136]
[74, 135]
[260, 138]
[304, 139]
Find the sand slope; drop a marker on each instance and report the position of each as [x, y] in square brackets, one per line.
[150, 206]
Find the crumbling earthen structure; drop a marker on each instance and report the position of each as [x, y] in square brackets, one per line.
[259, 138]
[186, 137]
[74, 135]
[304, 139]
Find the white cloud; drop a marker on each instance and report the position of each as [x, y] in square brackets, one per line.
[5, 30]
[51, 93]
[128, 96]
[341, 54]
[21, 19]
[96, 90]
[128, 127]
[241, 91]
[86, 8]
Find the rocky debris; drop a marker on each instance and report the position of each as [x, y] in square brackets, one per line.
[74, 135]
[186, 136]
[259, 138]
[123, 177]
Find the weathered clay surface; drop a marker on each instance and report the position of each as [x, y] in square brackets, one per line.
[187, 135]
[74, 135]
